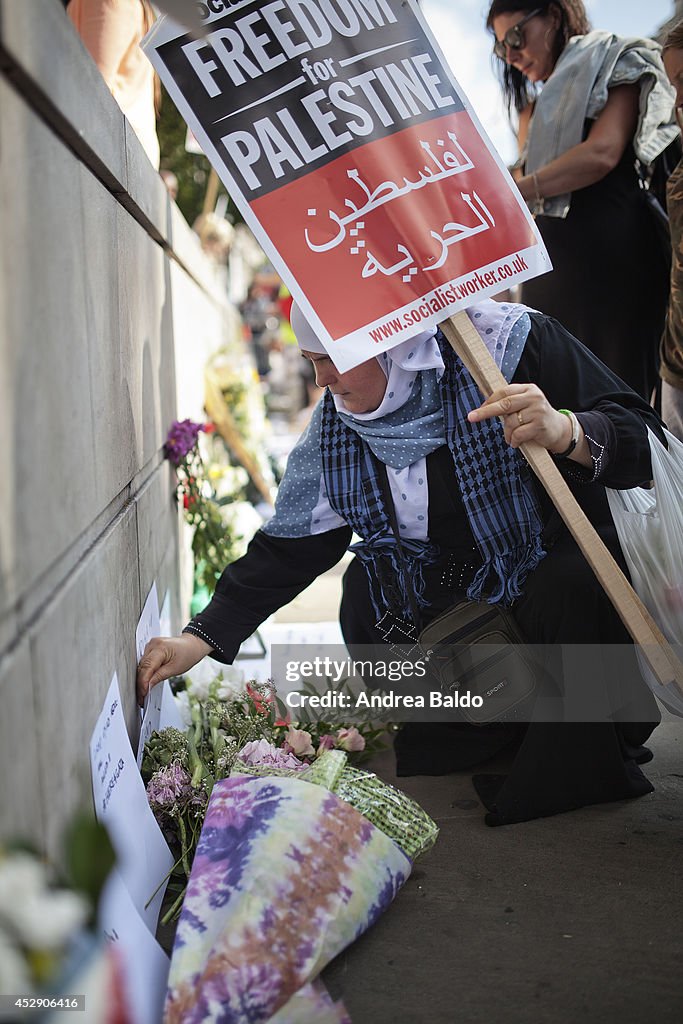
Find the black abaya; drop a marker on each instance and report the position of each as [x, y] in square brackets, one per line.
[557, 766]
[610, 280]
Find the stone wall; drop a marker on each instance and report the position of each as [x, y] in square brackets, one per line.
[108, 311]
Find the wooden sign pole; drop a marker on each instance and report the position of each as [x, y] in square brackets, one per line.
[661, 659]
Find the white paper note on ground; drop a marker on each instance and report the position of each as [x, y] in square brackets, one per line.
[143, 856]
[144, 963]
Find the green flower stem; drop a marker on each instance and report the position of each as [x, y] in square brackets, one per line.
[183, 845]
[164, 879]
[196, 763]
[174, 908]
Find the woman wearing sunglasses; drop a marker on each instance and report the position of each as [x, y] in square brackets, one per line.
[589, 104]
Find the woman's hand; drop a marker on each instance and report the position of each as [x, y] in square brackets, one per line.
[527, 415]
[168, 656]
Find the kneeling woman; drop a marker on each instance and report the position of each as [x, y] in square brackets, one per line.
[473, 523]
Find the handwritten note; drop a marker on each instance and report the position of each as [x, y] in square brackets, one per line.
[144, 963]
[143, 856]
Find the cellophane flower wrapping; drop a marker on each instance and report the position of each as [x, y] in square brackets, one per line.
[286, 875]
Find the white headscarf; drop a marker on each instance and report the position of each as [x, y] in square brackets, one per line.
[400, 364]
[403, 437]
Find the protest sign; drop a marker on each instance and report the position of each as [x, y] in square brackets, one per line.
[354, 156]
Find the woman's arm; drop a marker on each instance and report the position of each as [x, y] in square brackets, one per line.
[522, 135]
[270, 575]
[593, 159]
[108, 29]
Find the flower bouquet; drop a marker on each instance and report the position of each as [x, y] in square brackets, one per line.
[48, 948]
[231, 725]
[287, 853]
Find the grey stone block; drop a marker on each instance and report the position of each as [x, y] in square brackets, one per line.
[46, 57]
[158, 528]
[86, 633]
[45, 347]
[112, 353]
[146, 337]
[145, 188]
[22, 807]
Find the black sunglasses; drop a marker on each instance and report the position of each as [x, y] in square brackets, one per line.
[514, 37]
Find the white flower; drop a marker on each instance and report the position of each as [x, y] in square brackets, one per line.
[21, 878]
[200, 689]
[202, 676]
[182, 701]
[231, 481]
[14, 973]
[49, 919]
[232, 685]
[242, 520]
[41, 918]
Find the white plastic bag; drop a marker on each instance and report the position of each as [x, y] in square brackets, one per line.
[649, 525]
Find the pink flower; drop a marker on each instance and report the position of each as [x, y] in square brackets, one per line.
[262, 700]
[350, 739]
[263, 752]
[169, 787]
[298, 741]
[327, 742]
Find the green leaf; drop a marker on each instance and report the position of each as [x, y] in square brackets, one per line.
[89, 857]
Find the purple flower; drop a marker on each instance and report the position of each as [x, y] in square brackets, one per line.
[181, 439]
[169, 787]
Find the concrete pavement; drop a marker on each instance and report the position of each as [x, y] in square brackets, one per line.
[565, 919]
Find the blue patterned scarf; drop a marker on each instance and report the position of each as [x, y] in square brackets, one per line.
[496, 490]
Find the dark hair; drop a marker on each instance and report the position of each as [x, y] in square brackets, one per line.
[517, 89]
[673, 40]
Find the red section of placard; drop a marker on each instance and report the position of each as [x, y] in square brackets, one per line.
[459, 219]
